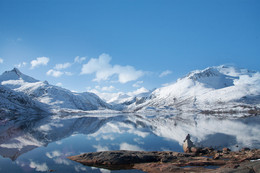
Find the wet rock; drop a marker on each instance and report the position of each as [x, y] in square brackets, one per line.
[245, 149]
[195, 150]
[122, 158]
[166, 161]
[207, 150]
[226, 150]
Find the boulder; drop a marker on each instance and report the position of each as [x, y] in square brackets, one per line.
[195, 150]
[226, 150]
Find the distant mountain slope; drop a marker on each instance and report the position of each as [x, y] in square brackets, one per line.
[219, 89]
[53, 97]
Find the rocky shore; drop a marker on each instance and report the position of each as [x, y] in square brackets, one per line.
[195, 160]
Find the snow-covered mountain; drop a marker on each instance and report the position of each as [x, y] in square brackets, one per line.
[51, 97]
[214, 89]
[13, 102]
[220, 89]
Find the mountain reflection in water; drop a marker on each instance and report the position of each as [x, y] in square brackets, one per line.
[41, 144]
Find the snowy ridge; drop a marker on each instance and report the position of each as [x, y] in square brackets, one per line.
[51, 97]
[220, 89]
[15, 74]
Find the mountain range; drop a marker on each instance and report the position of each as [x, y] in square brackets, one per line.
[18, 90]
[218, 89]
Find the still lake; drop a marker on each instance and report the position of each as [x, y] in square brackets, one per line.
[40, 144]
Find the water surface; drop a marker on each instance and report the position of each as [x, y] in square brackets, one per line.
[35, 144]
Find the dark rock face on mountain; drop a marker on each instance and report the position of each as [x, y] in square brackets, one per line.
[166, 161]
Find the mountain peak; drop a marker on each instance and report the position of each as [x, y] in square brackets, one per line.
[15, 70]
[16, 74]
[216, 77]
[208, 72]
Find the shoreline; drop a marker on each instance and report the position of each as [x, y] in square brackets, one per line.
[200, 160]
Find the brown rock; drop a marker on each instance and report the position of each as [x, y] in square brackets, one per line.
[216, 156]
[166, 161]
[226, 150]
[195, 150]
[207, 150]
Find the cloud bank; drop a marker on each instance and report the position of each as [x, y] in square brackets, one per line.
[1, 61]
[39, 61]
[104, 70]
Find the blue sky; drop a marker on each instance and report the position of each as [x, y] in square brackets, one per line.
[122, 45]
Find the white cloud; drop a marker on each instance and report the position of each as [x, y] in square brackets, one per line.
[100, 148]
[96, 65]
[54, 73]
[140, 141]
[59, 84]
[45, 127]
[68, 73]
[107, 96]
[106, 88]
[104, 70]
[126, 146]
[165, 73]
[79, 60]
[1, 61]
[97, 87]
[127, 73]
[22, 64]
[39, 167]
[59, 142]
[58, 157]
[138, 91]
[53, 154]
[79, 168]
[104, 170]
[62, 66]
[137, 84]
[108, 137]
[60, 160]
[39, 61]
